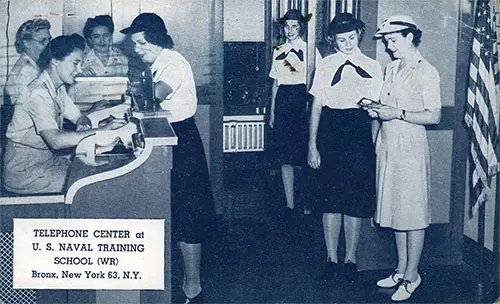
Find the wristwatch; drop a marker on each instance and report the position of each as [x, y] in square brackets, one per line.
[403, 115]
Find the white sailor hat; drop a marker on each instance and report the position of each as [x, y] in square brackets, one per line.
[395, 23]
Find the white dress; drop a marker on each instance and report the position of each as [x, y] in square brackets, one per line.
[403, 159]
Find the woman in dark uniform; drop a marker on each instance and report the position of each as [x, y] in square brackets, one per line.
[289, 101]
[193, 211]
[341, 142]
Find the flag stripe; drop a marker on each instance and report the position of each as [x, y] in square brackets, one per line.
[480, 116]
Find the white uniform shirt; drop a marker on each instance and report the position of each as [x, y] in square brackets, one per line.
[117, 64]
[173, 69]
[289, 65]
[40, 107]
[23, 72]
[352, 87]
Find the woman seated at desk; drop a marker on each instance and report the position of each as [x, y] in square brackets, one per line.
[32, 163]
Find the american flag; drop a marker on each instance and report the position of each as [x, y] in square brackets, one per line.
[481, 111]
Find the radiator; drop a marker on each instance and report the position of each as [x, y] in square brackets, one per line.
[243, 133]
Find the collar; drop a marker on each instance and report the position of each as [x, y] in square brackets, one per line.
[355, 57]
[161, 60]
[45, 79]
[413, 62]
[301, 45]
[27, 58]
[91, 55]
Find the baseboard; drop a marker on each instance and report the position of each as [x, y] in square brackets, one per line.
[471, 256]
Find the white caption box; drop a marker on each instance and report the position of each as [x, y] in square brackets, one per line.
[89, 254]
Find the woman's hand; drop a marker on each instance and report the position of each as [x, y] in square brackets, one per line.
[87, 72]
[99, 105]
[384, 112]
[83, 123]
[271, 120]
[313, 157]
[113, 125]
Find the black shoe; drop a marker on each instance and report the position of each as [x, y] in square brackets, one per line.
[197, 299]
[289, 216]
[330, 270]
[351, 272]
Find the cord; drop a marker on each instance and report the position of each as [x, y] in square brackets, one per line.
[7, 40]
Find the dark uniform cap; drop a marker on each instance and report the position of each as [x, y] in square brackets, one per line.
[294, 14]
[343, 23]
[146, 22]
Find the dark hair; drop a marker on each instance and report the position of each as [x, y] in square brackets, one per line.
[295, 14]
[92, 23]
[26, 31]
[417, 35]
[60, 47]
[160, 39]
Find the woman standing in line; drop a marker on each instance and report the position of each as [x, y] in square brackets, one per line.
[341, 142]
[410, 100]
[289, 102]
[193, 210]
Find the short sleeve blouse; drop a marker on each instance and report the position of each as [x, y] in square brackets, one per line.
[173, 69]
[352, 87]
[117, 64]
[415, 88]
[41, 107]
[289, 65]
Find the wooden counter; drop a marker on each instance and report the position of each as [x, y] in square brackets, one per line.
[127, 187]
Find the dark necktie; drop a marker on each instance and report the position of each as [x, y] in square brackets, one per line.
[359, 70]
[299, 54]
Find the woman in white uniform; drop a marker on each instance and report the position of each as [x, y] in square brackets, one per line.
[193, 210]
[341, 142]
[410, 100]
[289, 102]
[35, 134]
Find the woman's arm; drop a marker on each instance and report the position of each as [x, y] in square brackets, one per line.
[59, 139]
[313, 156]
[375, 129]
[425, 117]
[162, 90]
[273, 103]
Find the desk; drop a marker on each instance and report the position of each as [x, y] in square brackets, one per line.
[125, 188]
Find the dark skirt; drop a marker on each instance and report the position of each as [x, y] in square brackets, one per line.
[193, 208]
[347, 171]
[288, 139]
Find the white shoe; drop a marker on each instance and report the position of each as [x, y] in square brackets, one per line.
[391, 280]
[406, 289]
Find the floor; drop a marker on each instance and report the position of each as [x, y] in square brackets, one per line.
[258, 257]
[256, 261]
